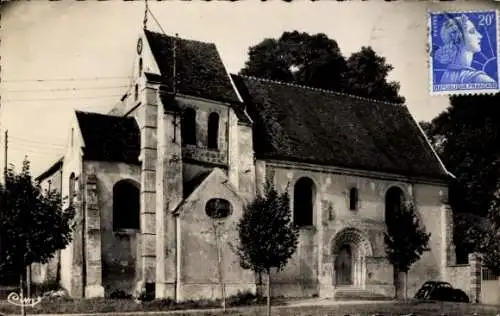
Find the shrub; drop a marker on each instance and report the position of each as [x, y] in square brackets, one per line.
[145, 297]
[244, 298]
[48, 288]
[119, 294]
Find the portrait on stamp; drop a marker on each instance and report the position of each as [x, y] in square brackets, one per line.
[464, 52]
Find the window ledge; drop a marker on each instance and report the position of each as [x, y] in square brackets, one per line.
[307, 227]
[126, 231]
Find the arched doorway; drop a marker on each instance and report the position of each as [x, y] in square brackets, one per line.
[343, 266]
[349, 249]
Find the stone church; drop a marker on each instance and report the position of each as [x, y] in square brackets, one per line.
[189, 140]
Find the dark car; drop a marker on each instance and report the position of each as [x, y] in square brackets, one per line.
[441, 291]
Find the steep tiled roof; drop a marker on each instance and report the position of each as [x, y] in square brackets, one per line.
[309, 125]
[109, 138]
[199, 68]
[51, 170]
[192, 184]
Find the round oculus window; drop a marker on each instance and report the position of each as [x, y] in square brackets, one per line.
[218, 209]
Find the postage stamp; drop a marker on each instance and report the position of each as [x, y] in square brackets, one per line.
[463, 50]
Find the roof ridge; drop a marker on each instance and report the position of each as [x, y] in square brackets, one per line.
[102, 114]
[90, 112]
[291, 84]
[179, 37]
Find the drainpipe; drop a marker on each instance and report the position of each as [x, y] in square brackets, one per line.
[84, 257]
[83, 203]
[177, 233]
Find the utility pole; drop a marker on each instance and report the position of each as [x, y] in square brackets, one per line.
[146, 9]
[5, 181]
[6, 146]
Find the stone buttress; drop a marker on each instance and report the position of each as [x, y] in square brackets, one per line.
[169, 194]
[147, 121]
[92, 237]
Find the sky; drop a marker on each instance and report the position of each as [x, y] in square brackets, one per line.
[66, 55]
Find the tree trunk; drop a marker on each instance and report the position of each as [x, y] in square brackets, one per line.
[268, 292]
[28, 281]
[406, 286]
[399, 284]
[395, 282]
[21, 292]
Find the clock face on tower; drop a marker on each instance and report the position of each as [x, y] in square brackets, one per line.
[139, 46]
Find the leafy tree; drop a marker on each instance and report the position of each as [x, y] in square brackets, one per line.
[405, 240]
[367, 76]
[316, 61]
[267, 236]
[33, 224]
[467, 137]
[489, 243]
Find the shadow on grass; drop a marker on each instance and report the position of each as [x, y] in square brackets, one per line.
[249, 305]
[65, 305]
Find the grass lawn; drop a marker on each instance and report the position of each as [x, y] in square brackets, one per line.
[118, 306]
[64, 305]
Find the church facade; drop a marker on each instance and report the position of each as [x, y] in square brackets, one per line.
[190, 140]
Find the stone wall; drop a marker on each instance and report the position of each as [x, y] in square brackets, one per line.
[119, 249]
[475, 265]
[146, 112]
[197, 266]
[428, 200]
[165, 167]
[475, 280]
[169, 194]
[71, 273]
[332, 214]
[54, 182]
[459, 277]
[49, 272]
[380, 276]
[200, 152]
[246, 164]
[300, 276]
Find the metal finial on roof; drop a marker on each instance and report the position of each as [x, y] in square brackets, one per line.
[146, 9]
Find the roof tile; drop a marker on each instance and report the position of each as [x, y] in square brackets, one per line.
[199, 69]
[109, 138]
[302, 124]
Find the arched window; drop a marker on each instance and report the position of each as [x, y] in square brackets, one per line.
[136, 92]
[394, 201]
[72, 189]
[353, 199]
[303, 202]
[140, 66]
[188, 128]
[126, 206]
[213, 130]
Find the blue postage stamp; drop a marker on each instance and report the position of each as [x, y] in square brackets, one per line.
[463, 52]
